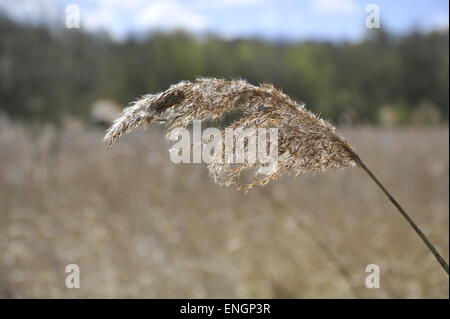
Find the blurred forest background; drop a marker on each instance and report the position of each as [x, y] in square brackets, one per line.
[140, 226]
[47, 74]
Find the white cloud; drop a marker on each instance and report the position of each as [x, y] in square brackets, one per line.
[106, 20]
[334, 6]
[229, 3]
[270, 18]
[120, 18]
[31, 10]
[169, 15]
[226, 3]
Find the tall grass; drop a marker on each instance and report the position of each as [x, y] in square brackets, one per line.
[140, 226]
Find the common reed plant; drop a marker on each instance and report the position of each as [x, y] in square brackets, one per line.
[306, 143]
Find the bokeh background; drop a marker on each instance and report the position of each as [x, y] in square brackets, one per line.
[140, 226]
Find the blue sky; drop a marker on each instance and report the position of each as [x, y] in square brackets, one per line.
[286, 19]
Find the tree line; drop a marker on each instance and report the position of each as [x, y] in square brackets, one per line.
[46, 74]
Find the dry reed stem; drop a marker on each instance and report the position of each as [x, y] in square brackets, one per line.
[306, 143]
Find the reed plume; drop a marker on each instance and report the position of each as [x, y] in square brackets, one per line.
[306, 143]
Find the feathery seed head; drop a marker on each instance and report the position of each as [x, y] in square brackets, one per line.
[306, 143]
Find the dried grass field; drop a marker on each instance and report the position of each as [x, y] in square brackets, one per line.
[140, 226]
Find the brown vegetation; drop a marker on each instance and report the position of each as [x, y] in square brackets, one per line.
[140, 226]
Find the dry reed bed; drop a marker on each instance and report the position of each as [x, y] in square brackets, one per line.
[140, 226]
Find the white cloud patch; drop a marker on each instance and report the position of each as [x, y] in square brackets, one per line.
[32, 11]
[170, 15]
[121, 18]
[104, 20]
[228, 3]
[334, 6]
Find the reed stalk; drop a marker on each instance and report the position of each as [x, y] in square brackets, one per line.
[306, 143]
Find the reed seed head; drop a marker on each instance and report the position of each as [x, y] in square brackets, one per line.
[306, 143]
